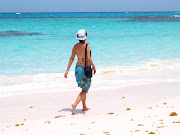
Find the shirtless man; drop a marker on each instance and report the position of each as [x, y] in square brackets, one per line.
[81, 79]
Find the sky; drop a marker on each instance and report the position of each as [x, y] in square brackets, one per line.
[88, 5]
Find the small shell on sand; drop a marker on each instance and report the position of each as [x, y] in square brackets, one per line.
[164, 103]
[59, 116]
[92, 122]
[106, 132]
[150, 108]
[82, 134]
[140, 125]
[128, 109]
[48, 121]
[132, 120]
[123, 97]
[137, 130]
[110, 113]
[24, 119]
[152, 133]
[176, 122]
[173, 114]
[17, 125]
[160, 126]
[31, 107]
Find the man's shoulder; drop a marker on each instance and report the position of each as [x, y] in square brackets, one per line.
[76, 45]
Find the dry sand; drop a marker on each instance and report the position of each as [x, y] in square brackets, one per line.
[137, 109]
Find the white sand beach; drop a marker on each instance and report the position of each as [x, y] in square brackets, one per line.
[129, 110]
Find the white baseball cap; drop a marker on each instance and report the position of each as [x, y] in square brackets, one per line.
[81, 34]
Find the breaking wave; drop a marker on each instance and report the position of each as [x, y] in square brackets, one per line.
[147, 72]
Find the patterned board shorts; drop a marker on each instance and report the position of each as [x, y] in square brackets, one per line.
[81, 79]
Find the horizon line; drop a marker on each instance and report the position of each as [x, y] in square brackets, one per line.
[96, 12]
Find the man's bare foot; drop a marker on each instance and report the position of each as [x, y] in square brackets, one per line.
[73, 109]
[86, 109]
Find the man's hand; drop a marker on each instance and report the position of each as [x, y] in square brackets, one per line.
[94, 69]
[65, 75]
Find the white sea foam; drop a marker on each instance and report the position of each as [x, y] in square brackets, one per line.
[176, 15]
[147, 72]
[18, 13]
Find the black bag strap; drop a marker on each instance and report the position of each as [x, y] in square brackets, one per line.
[86, 53]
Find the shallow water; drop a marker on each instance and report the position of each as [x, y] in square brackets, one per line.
[126, 47]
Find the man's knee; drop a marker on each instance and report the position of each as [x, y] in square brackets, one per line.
[86, 91]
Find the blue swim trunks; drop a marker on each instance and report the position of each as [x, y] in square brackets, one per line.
[81, 79]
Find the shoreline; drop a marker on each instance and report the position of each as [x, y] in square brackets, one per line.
[146, 103]
[94, 89]
[113, 77]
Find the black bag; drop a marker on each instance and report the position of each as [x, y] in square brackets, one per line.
[87, 69]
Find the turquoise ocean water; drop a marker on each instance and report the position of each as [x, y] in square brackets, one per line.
[35, 47]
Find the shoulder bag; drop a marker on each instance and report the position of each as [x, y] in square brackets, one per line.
[87, 69]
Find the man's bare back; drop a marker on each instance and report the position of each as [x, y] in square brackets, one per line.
[80, 51]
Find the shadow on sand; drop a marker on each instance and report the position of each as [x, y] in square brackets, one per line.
[79, 111]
